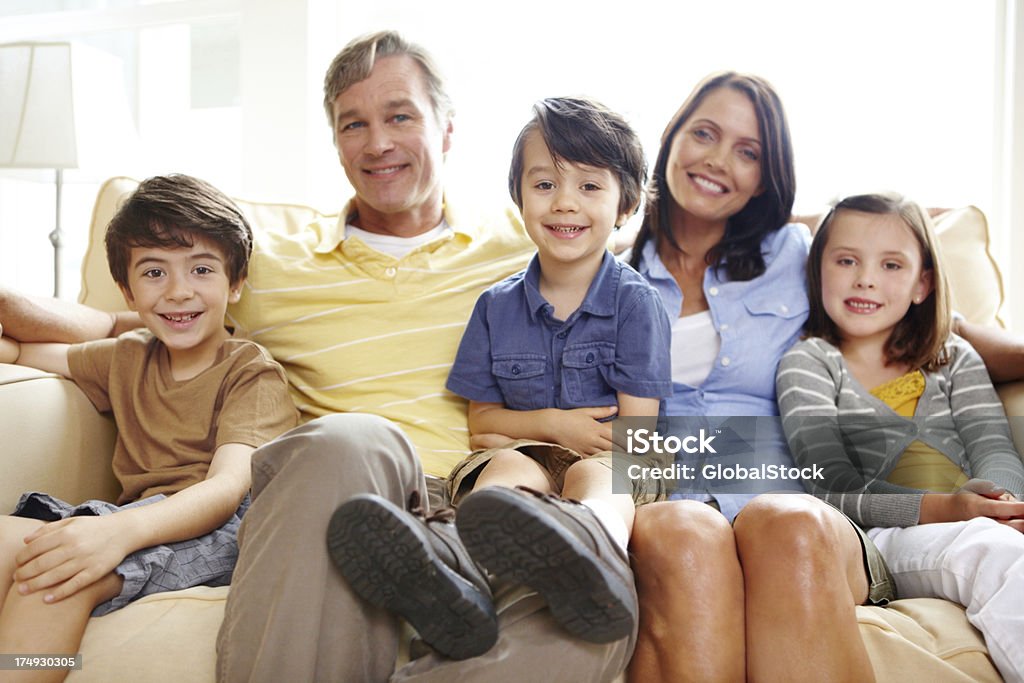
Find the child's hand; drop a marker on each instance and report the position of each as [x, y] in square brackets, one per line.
[581, 430]
[965, 505]
[984, 487]
[68, 555]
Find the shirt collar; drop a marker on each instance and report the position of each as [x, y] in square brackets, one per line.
[600, 298]
[333, 234]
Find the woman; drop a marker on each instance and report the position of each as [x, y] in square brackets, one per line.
[715, 244]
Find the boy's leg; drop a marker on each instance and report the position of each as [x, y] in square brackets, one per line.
[513, 468]
[290, 615]
[978, 564]
[12, 531]
[30, 626]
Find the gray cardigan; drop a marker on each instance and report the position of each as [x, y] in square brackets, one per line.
[833, 421]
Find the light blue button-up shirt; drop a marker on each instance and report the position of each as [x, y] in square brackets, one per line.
[757, 321]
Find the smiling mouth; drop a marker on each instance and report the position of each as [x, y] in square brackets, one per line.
[862, 306]
[566, 229]
[708, 185]
[180, 317]
[390, 170]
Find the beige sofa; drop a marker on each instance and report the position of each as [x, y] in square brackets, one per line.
[54, 441]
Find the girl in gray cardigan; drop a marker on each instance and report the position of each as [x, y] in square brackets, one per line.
[903, 421]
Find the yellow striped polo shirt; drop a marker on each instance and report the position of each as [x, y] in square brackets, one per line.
[360, 331]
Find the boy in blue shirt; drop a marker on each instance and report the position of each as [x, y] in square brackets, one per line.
[548, 357]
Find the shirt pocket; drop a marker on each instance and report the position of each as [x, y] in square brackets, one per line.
[786, 304]
[520, 378]
[585, 371]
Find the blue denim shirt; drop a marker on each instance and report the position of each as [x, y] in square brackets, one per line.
[757, 321]
[514, 351]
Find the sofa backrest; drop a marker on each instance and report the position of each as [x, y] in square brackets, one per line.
[975, 279]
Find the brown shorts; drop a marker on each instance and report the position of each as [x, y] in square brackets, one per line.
[555, 460]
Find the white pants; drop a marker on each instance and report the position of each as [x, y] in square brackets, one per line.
[978, 564]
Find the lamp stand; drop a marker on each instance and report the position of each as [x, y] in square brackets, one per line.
[55, 237]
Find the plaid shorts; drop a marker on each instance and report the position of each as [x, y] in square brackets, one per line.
[204, 561]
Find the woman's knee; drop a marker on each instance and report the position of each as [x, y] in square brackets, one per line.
[679, 537]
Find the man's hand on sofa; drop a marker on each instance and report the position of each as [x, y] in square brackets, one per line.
[43, 319]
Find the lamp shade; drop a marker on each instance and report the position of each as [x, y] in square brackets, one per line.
[37, 117]
[62, 105]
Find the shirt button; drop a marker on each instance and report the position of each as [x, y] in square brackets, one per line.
[724, 327]
[590, 358]
[726, 361]
[713, 291]
[516, 369]
[391, 271]
[561, 335]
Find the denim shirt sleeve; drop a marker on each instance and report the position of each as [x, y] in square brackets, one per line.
[471, 376]
[642, 365]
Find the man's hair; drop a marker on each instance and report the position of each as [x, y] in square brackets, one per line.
[356, 60]
[578, 130]
[739, 252]
[169, 212]
[919, 338]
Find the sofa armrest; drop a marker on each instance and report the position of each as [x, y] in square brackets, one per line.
[53, 440]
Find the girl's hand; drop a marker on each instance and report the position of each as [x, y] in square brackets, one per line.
[965, 505]
[581, 430]
[64, 557]
[989, 489]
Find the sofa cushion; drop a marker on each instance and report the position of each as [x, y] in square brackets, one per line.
[974, 278]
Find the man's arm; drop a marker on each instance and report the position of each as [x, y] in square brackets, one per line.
[73, 553]
[1002, 351]
[40, 319]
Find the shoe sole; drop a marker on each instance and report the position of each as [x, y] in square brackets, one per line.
[513, 539]
[388, 561]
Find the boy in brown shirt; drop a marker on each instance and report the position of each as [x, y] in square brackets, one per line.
[191, 404]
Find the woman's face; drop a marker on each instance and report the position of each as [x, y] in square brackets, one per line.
[714, 163]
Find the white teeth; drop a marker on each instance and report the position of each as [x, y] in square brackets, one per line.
[181, 318]
[567, 229]
[707, 184]
[862, 305]
[383, 171]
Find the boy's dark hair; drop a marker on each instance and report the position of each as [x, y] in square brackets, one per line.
[581, 131]
[168, 212]
[739, 252]
[918, 339]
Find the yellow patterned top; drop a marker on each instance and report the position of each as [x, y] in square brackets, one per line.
[920, 466]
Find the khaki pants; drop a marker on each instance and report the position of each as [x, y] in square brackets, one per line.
[290, 615]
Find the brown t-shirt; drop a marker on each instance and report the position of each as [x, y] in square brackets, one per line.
[168, 430]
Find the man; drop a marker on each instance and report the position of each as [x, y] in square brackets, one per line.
[366, 316]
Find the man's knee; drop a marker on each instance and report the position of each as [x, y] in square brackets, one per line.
[335, 447]
[799, 528]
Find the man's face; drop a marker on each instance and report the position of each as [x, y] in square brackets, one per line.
[392, 148]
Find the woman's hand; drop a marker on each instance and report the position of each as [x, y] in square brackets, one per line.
[66, 556]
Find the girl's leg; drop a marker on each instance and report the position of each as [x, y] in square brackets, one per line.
[978, 564]
[691, 595]
[28, 625]
[804, 575]
[511, 468]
